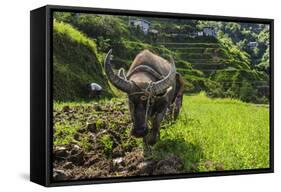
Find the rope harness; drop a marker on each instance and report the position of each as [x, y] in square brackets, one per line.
[147, 95]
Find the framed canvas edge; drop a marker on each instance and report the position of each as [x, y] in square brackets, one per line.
[49, 100]
[49, 131]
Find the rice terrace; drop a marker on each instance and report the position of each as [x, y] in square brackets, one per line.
[223, 111]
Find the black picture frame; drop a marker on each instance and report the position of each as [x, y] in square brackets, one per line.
[41, 94]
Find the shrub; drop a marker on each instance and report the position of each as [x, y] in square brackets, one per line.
[247, 92]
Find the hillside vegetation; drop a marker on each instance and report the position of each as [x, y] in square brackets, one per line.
[76, 63]
[222, 66]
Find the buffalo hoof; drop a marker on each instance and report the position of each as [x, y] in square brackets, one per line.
[139, 132]
[153, 138]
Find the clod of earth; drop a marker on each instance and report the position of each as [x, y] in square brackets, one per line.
[92, 160]
[68, 165]
[170, 165]
[146, 167]
[76, 136]
[97, 107]
[66, 108]
[60, 175]
[92, 127]
[60, 153]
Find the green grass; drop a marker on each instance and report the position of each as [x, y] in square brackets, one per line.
[75, 35]
[218, 134]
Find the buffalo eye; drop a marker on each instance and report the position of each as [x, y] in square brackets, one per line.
[143, 98]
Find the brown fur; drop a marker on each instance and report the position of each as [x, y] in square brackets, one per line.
[156, 62]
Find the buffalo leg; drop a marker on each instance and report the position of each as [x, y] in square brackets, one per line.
[177, 106]
[147, 149]
[178, 96]
[155, 132]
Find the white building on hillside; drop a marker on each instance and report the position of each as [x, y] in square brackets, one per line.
[142, 24]
[209, 31]
[252, 44]
[200, 33]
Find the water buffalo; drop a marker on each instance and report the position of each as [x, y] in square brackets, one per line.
[151, 87]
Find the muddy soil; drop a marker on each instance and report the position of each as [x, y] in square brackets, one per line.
[102, 146]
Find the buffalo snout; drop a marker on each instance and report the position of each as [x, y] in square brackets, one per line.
[139, 131]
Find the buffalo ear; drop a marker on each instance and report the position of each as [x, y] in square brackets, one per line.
[172, 61]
